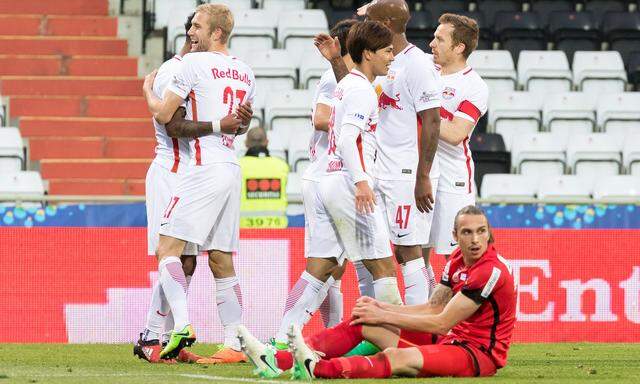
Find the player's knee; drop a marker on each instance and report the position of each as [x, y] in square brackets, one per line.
[380, 268]
[189, 265]
[221, 264]
[407, 253]
[403, 361]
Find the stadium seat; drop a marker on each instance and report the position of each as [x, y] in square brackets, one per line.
[258, 109]
[569, 113]
[544, 72]
[254, 29]
[599, 8]
[294, 186]
[619, 113]
[544, 8]
[277, 145]
[164, 11]
[312, 66]
[490, 7]
[282, 5]
[234, 5]
[296, 29]
[485, 40]
[622, 31]
[438, 7]
[539, 154]
[633, 66]
[594, 154]
[489, 155]
[496, 68]
[508, 187]
[27, 184]
[420, 29]
[622, 187]
[274, 70]
[298, 150]
[288, 115]
[565, 187]
[11, 150]
[175, 26]
[573, 31]
[514, 113]
[336, 15]
[631, 154]
[518, 31]
[599, 72]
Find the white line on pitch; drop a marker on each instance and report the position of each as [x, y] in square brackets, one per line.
[234, 379]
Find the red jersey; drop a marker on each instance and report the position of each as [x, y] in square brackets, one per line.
[489, 282]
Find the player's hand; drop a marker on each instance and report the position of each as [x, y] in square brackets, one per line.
[424, 194]
[368, 313]
[245, 113]
[328, 46]
[230, 124]
[365, 199]
[148, 80]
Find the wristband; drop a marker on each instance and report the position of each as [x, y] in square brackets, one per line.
[215, 126]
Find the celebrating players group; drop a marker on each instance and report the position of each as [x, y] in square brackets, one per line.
[390, 164]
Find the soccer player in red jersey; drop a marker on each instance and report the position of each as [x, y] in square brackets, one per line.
[464, 330]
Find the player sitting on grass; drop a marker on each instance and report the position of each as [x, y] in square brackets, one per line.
[464, 330]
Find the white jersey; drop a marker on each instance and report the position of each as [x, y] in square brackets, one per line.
[411, 86]
[171, 153]
[464, 95]
[216, 85]
[319, 142]
[354, 103]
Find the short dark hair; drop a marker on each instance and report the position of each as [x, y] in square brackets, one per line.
[187, 24]
[341, 31]
[465, 31]
[367, 35]
[474, 211]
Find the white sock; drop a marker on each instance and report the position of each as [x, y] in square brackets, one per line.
[336, 306]
[229, 303]
[168, 325]
[416, 282]
[156, 316]
[325, 302]
[302, 302]
[386, 289]
[431, 277]
[174, 286]
[365, 279]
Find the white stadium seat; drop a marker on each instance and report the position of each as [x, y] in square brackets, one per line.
[599, 72]
[175, 26]
[631, 154]
[258, 109]
[570, 113]
[254, 30]
[288, 114]
[544, 71]
[282, 5]
[496, 68]
[11, 150]
[539, 154]
[296, 29]
[594, 154]
[514, 113]
[312, 66]
[274, 70]
[507, 186]
[164, 11]
[277, 145]
[619, 113]
[234, 5]
[294, 186]
[299, 150]
[27, 184]
[565, 186]
[619, 187]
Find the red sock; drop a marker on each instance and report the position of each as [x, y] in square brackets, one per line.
[336, 341]
[354, 367]
[284, 360]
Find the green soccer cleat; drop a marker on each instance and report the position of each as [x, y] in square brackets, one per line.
[260, 355]
[280, 346]
[177, 341]
[305, 359]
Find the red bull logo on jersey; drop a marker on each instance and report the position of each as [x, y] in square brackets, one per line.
[448, 93]
[231, 74]
[385, 101]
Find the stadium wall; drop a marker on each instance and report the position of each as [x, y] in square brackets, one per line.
[92, 284]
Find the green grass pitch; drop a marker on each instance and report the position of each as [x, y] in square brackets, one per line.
[100, 363]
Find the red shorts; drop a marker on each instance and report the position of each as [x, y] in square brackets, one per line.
[457, 360]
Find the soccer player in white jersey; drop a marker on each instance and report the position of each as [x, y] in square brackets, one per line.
[205, 208]
[464, 101]
[406, 166]
[321, 244]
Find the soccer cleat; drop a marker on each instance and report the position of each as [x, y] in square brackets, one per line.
[148, 350]
[260, 355]
[224, 355]
[178, 340]
[305, 358]
[186, 356]
[280, 346]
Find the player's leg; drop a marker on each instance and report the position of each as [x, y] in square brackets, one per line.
[332, 307]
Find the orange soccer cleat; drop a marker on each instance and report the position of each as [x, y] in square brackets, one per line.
[224, 355]
[186, 356]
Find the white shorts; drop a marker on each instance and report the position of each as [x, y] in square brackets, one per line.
[361, 236]
[320, 238]
[205, 207]
[407, 225]
[447, 206]
[160, 184]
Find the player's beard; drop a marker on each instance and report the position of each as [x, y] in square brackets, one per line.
[201, 46]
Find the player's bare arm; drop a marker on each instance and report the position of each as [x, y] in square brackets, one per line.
[439, 299]
[329, 47]
[428, 146]
[455, 131]
[244, 113]
[321, 117]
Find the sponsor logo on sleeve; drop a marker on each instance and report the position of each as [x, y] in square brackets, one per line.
[491, 283]
[428, 97]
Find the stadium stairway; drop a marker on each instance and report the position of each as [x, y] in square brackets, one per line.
[75, 95]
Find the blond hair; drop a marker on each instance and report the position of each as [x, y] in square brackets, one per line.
[220, 16]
